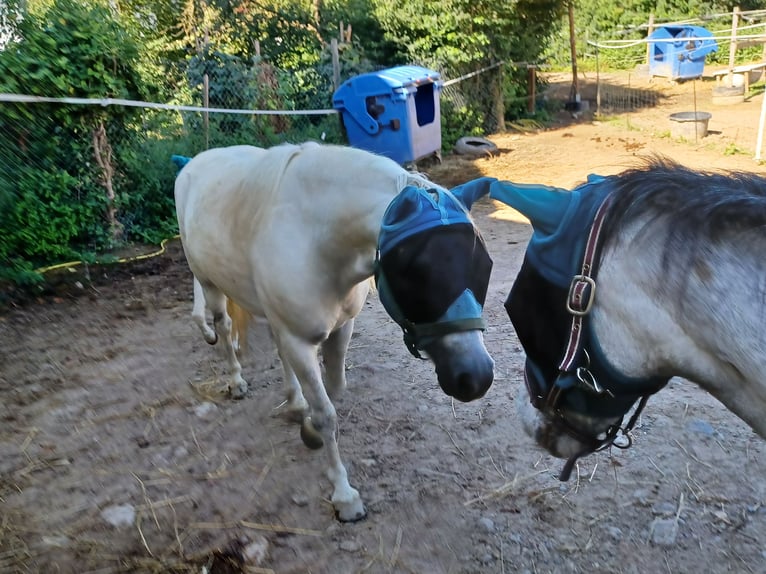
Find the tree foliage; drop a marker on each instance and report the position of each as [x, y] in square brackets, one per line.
[56, 187]
[597, 21]
[97, 171]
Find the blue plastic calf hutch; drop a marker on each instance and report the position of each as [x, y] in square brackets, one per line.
[393, 112]
[678, 52]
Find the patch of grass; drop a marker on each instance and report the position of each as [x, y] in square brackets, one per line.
[608, 119]
[734, 149]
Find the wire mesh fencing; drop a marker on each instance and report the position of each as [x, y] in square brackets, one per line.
[81, 176]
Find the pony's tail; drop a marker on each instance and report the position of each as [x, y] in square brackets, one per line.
[240, 322]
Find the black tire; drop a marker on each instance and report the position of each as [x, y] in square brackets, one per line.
[475, 146]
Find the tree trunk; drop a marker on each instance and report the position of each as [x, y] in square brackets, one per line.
[103, 153]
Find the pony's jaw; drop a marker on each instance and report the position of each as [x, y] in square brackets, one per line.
[551, 436]
[464, 368]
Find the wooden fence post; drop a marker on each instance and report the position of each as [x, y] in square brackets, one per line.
[733, 46]
[206, 104]
[649, 30]
[574, 95]
[532, 88]
[335, 63]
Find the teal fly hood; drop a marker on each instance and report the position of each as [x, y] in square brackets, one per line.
[560, 220]
[180, 161]
[416, 209]
[433, 268]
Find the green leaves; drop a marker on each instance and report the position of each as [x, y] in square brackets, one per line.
[52, 188]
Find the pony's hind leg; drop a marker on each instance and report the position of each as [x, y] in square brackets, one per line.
[334, 354]
[216, 302]
[296, 407]
[198, 314]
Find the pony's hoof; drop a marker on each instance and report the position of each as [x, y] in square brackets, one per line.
[310, 436]
[353, 511]
[211, 338]
[238, 389]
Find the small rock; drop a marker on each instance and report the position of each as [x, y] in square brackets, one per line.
[486, 558]
[486, 524]
[642, 496]
[701, 427]
[614, 533]
[368, 462]
[119, 515]
[349, 546]
[300, 500]
[256, 550]
[204, 409]
[664, 509]
[422, 408]
[664, 531]
[515, 538]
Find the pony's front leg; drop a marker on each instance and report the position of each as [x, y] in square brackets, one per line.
[302, 356]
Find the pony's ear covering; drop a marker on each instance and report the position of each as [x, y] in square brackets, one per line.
[180, 161]
[543, 205]
[469, 192]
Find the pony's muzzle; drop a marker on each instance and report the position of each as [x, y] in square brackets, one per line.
[464, 368]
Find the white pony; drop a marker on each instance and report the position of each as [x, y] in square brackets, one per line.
[290, 234]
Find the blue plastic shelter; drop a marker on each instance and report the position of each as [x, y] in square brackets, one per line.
[394, 112]
[678, 52]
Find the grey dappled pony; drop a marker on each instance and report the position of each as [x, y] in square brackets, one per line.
[669, 281]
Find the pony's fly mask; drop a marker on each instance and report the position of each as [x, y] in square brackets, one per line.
[432, 267]
[549, 305]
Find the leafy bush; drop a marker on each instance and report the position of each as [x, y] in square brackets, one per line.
[56, 185]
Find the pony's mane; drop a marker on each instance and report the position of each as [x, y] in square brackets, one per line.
[695, 205]
[371, 163]
[421, 180]
[691, 211]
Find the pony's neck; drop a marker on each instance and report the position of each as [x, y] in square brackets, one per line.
[704, 325]
[353, 204]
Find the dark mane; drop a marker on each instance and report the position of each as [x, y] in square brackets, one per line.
[695, 207]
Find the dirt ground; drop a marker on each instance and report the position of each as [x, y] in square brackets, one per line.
[117, 455]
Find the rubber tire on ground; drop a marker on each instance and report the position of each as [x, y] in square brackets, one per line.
[727, 95]
[475, 146]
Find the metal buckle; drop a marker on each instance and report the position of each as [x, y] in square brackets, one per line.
[577, 279]
[586, 378]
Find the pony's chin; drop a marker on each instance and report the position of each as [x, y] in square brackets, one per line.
[544, 432]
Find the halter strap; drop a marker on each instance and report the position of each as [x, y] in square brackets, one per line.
[582, 289]
[415, 334]
[582, 292]
[595, 445]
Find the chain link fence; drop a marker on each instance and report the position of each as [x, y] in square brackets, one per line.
[81, 177]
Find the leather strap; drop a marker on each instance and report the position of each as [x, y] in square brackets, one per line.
[582, 290]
